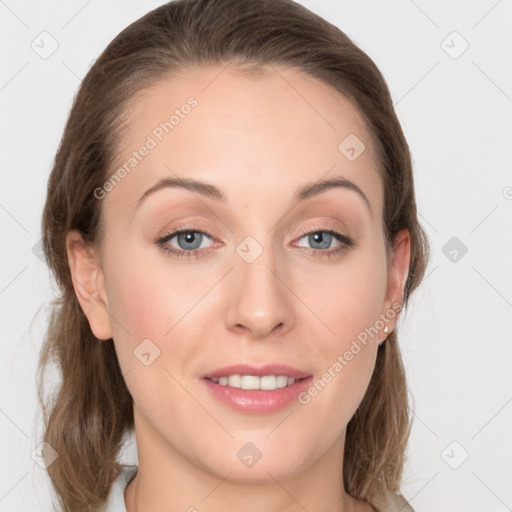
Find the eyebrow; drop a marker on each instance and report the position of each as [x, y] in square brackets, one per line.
[211, 191]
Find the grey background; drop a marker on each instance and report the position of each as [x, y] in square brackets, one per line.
[455, 106]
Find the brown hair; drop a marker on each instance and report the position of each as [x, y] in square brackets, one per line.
[91, 411]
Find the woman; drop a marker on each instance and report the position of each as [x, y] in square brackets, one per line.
[232, 223]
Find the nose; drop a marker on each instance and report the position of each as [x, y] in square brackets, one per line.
[260, 302]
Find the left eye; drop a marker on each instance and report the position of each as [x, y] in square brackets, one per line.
[321, 238]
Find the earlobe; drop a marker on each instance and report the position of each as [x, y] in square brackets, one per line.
[89, 284]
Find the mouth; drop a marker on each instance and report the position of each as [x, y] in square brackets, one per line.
[257, 390]
[246, 376]
[254, 382]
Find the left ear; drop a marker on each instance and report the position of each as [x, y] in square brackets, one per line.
[397, 274]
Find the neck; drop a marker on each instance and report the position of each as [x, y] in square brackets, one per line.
[168, 481]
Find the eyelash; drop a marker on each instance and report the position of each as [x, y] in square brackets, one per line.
[347, 243]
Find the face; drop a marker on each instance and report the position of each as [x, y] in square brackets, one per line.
[257, 274]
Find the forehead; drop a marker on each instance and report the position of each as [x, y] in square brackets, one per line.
[263, 130]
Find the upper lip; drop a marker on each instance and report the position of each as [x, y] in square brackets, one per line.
[259, 371]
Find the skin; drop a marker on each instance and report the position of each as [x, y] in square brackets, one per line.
[257, 137]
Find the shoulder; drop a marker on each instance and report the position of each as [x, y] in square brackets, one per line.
[400, 503]
[115, 499]
[403, 504]
[392, 503]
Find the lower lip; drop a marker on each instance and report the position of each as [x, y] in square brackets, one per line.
[257, 401]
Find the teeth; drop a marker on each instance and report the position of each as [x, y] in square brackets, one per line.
[267, 382]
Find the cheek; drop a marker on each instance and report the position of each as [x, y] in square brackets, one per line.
[141, 309]
[349, 304]
[348, 299]
[138, 304]
[154, 307]
[147, 296]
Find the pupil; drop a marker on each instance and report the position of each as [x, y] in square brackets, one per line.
[318, 238]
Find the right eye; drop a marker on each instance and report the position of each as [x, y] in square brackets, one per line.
[189, 240]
